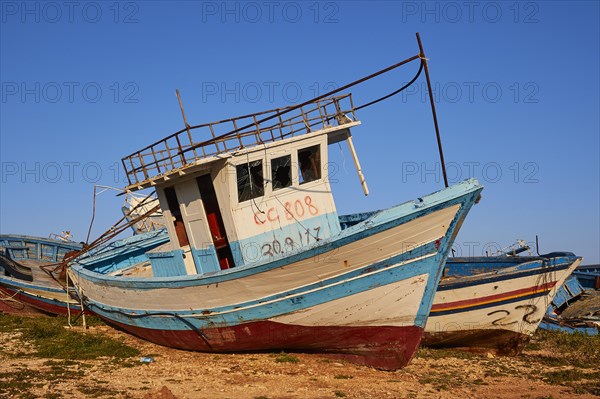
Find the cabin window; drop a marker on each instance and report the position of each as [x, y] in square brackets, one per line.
[281, 172]
[309, 164]
[250, 180]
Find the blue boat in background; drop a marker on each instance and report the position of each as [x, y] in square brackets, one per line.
[25, 287]
[576, 307]
[588, 276]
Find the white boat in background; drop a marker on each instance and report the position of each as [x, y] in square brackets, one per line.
[496, 303]
[136, 206]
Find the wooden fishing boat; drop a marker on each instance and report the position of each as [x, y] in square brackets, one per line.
[575, 308]
[588, 276]
[31, 289]
[495, 304]
[24, 286]
[257, 259]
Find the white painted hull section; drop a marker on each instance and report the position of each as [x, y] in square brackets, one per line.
[395, 304]
[353, 256]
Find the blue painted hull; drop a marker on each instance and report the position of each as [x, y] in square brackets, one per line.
[574, 309]
[24, 288]
[307, 299]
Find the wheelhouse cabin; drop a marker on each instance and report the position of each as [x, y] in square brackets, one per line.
[250, 195]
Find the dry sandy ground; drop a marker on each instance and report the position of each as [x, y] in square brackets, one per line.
[180, 374]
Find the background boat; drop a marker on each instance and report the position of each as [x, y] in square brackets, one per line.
[24, 286]
[45, 291]
[575, 308]
[495, 304]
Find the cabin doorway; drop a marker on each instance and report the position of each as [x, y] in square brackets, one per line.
[180, 231]
[173, 204]
[215, 222]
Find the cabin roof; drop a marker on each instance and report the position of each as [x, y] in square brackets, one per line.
[195, 147]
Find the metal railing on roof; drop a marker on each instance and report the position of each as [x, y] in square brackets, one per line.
[194, 143]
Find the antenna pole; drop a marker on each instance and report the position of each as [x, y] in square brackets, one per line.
[435, 121]
[187, 126]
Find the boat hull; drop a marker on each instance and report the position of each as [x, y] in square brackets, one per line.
[12, 303]
[24, 287]
[363, 296]
[349, 327]
[497, 311]
[383, 347]
[51, 302]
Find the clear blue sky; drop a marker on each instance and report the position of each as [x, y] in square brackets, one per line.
[517, 91]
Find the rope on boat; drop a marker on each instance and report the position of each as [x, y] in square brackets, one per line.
[82, 314]
[420, 56]
[117, 228]
[281, 111]
[295, 107]
[394, 92]
[68, 304]
[104, 189]
[11, 299]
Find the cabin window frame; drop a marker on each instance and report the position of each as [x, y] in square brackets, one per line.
[291, 172]
[263, 190]
[319, 168]
[267, 159]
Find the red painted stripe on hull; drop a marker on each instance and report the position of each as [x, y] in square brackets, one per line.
[382, 347]
[9, 305]
[45, 307]
[492, 298]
